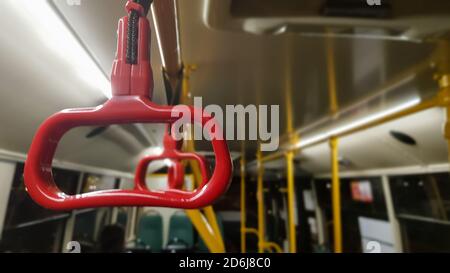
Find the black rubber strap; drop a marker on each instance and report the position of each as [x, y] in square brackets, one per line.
[133, 30]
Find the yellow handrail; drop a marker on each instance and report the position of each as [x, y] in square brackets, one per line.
[204, 229]
[272, 245]
[336, 196]
[260, 198]
[425, 105]
[253, 231]
[206, 224]
[243, 207]
[291, 204]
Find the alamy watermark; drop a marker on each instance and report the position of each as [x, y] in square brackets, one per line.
[73, 247]
[73, 2]
[373, 247]
[251, 122]
[373, 2]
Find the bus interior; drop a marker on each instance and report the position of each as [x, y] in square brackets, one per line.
[323, 126]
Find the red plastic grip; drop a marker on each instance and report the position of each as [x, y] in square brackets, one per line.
[176, 170]
[175, 175]
[119, 110]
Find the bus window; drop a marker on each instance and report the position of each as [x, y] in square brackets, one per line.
[88, 226]
[44, 237]
[360, 198]
[420, 203]
[29, 227]
[90, 223]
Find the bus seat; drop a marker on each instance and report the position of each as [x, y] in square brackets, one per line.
[150, 231]
[181, 230]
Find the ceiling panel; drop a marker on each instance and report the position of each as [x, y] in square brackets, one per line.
[376, 149]
[235, 67]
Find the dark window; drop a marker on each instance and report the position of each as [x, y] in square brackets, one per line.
[421, 204]
[375, 208]
[23, 210]
[88, 225]
[352, 208]
[30, 227]
[421, 235]
[426, 195]
[45, 237]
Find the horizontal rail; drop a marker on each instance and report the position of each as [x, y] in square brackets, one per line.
[272, 245]
[425, 105]
[253, 231]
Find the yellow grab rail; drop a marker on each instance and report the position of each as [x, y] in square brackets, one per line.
[272, 245]
[291, 204]
[243, 208]
[336, 196]
[204, 229]
[205, 224]
[260, 198]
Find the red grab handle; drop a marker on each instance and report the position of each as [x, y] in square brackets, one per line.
[175, 175]
[119, 110]
[176, 170]
[131, 85]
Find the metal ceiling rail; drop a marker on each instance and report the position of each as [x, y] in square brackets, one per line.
[424, 105]
[439, 59]
[388, 86]
[437, 101]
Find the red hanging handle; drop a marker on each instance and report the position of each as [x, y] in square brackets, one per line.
[175, 175]
[176, 169]
[131, 85]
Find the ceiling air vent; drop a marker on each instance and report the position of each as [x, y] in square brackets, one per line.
[357, 8]
[393, 19]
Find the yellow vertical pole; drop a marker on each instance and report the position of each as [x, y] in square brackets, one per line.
[443, 77]
[291, 204]
[260, 197]
[207, 227]
[331, 73]
[444, 85]
[447, 125]
[292, 236]
[243, 207]
[335, 187]
[336, 196]
[186, 88]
